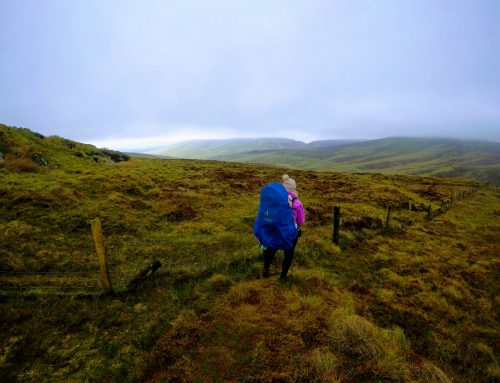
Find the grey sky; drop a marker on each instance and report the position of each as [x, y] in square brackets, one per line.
[130, 74]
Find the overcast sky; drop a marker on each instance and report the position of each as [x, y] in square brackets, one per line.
[132, 74]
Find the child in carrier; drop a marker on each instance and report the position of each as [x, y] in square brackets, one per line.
[279, 221]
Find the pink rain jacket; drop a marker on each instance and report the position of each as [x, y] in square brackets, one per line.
[298, 209]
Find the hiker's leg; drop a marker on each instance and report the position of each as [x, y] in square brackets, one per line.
[287, 260]
[269, 254]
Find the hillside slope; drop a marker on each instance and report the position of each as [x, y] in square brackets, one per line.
[416, 302]
[414, 156]
[24, 150]
[212, 149]
[218, 149]
[406, 307]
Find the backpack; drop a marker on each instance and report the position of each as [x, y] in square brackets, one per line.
[274, 226]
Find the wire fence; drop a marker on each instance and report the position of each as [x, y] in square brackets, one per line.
[403, 212]
[90, 280]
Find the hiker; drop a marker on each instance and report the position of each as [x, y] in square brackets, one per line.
[279, 221]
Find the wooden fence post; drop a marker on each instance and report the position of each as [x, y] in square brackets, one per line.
[409, 205]
[336, 224]
[388, 217]
[99, 248]
[429, 212]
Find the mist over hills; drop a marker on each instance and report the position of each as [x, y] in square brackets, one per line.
[216, 149]
[394, 155]
[391, 302]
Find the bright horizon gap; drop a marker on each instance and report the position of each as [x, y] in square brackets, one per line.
[288, 69]
[147, 144]
[130, 143]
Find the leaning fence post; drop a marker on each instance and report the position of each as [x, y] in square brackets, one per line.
[388, 217]
[99, 248]
[336, 224]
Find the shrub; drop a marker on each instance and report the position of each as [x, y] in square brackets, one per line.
[323, 364]
[377, 354]
[356, 337]
[181, 213]
[20, 164]
[219, 282]
[115, 156]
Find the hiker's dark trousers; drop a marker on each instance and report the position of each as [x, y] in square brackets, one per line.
[269, 254]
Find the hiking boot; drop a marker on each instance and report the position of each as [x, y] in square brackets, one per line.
[265, 273]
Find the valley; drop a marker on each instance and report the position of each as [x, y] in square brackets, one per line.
[416, 301]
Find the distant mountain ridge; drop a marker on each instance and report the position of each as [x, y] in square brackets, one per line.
[214, 149]
[394, 155]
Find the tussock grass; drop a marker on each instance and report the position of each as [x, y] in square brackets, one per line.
[416, 304]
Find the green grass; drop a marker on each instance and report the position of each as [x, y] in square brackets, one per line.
[413, 156]
[211, 149]
[417, 302]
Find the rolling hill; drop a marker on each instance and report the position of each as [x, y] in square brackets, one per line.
[218, 149]
[398, 155]
[212, 149]
[413, 300]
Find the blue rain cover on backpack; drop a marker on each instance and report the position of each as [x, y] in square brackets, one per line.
[274, 226]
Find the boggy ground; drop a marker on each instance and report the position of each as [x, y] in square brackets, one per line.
[415, 302]
[417, 306]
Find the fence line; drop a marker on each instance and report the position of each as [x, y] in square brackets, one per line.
[49, 272]
[122, 279]
[51, 281]
[445, 205]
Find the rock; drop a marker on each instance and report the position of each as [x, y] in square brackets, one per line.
[115, 156]
[70, 144]
[38, 135]
[29, 131]
[38, 159]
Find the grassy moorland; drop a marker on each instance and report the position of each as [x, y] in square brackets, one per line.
[417, 302]
[219, 149]
[396, 155]
[207, 149]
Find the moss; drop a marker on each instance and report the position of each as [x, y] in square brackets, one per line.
[377, 308]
